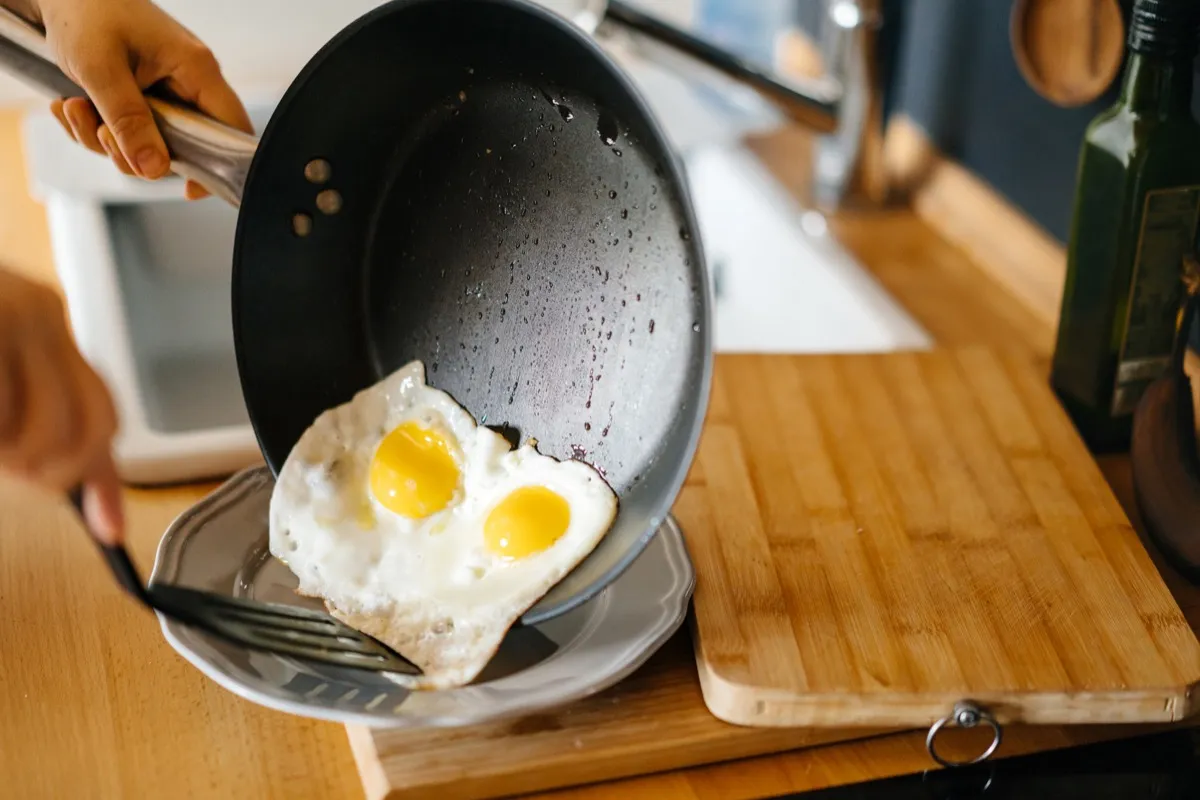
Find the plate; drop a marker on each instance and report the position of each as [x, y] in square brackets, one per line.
[220, 545]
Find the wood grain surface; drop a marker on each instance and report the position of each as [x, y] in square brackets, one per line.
[877, 537]
[651, 722]
[93, 701]
[96, 705]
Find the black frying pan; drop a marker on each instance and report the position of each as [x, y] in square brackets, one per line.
[475, 184]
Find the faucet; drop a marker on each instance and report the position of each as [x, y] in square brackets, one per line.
[848, 167]
[844, 106]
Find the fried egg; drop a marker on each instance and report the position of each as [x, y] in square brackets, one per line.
[426, 530]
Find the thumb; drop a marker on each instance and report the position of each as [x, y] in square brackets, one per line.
[111, 86]
[102, 502]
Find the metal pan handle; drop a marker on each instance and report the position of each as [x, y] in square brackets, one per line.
[214, 155]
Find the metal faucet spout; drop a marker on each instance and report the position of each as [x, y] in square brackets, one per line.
[810, 102]
[849, 167]
[845, 105]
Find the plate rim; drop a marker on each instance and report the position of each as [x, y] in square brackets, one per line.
[167, 559]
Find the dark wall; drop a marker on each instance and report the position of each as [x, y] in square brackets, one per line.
[951, 68]
[957, 78]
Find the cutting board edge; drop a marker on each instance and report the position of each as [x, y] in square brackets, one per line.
[378, 786]
[370, 769]
[758, 707]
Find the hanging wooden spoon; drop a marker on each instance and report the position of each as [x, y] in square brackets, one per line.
[1068, 51]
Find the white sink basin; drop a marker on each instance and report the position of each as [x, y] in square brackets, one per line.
[781, 283]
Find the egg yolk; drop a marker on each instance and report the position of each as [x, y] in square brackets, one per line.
[413, 473]
[526, 522]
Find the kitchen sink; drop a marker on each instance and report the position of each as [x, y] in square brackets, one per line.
[781, 282]
[147, 276]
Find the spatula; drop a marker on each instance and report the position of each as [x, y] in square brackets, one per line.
[283, 630]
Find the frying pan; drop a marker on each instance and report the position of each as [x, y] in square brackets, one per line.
[475, 184]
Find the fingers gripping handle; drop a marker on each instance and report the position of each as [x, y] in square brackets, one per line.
[214, 155]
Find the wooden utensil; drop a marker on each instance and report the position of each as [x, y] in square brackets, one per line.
[878, 538]
[1068, 51]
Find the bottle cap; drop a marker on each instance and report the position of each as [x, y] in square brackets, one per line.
[1165, 27]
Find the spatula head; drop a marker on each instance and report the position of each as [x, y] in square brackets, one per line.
[281, 629]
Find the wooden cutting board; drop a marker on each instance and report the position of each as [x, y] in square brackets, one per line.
[877, 537]
[653, 721]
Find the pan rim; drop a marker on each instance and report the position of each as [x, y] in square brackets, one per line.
[690, 429]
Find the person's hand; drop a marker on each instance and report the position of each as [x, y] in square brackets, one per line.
[116, 48]
[56, 416]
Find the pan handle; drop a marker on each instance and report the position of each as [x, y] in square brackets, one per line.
[214, 155]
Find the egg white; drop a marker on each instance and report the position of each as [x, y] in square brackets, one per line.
[428, 588]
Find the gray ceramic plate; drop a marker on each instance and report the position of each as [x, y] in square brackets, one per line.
[220, 544]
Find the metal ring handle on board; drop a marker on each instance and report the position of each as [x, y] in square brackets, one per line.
[966, 714]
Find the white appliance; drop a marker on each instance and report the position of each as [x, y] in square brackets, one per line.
[146, 277]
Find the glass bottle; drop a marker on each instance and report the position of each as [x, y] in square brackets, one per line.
[1137, 203]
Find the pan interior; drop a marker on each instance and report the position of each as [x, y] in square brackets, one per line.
[514, 220]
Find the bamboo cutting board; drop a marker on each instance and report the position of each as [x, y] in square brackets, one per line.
[651, 722]
[875, 537]
[878, 537]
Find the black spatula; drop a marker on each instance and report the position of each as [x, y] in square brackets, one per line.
[283, 630]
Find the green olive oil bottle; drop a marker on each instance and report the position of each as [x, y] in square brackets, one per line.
[1137, 204]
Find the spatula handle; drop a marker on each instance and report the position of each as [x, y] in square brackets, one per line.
[116, 556]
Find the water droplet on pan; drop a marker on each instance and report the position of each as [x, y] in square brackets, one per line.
[607, 129]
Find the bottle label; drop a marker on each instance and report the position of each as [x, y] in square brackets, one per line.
[1168, 234]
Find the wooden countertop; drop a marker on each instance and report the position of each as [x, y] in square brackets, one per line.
[96, 704]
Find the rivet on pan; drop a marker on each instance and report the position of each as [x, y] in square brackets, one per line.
[329, 201]
[302, 224]
[318, 171]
